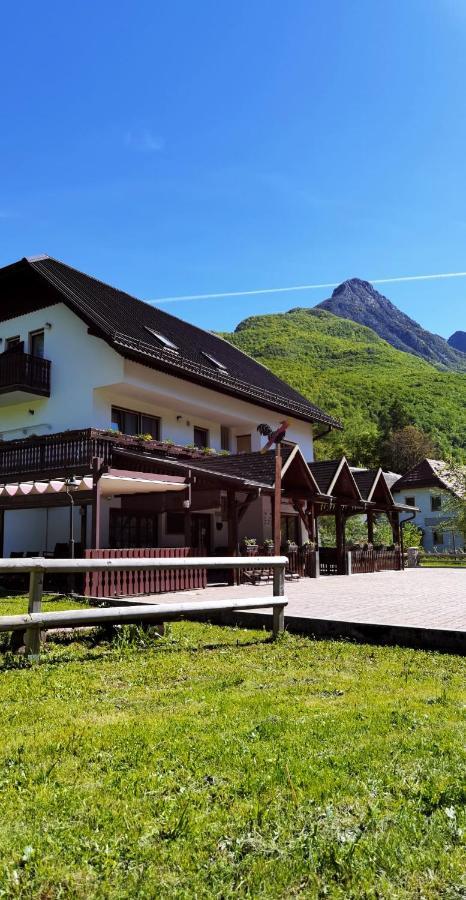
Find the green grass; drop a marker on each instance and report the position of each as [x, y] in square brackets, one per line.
[213, 763]
[433, 563]
[351, 373]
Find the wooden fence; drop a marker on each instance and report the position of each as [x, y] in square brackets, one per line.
[368, 561]
[133, 582]
[32, 623]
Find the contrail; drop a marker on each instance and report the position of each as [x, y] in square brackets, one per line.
[304, 287]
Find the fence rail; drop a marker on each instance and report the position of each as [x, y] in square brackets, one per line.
[35, 620]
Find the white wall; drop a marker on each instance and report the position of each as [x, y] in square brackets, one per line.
[79, 363]
[427, 519]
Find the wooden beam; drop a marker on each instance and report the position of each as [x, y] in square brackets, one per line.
[340, 539]
[96, 503]
[277, 501]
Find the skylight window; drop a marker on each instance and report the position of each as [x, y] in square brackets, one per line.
[169, 345]
[215, 362]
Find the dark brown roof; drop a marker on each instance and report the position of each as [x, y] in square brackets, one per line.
[428, 473]
[123, 321]
[324, 472]
[364, 479]
[255, 466]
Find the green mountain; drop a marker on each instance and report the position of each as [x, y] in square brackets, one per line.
[353, 374]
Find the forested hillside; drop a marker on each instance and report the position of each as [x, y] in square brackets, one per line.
[356, 376]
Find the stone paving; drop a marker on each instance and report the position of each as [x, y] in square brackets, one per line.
[421, 598]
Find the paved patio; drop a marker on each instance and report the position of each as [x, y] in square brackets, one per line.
[420, 607]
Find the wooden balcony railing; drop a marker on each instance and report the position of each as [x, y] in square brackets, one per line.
[23, 372]
[72, 452]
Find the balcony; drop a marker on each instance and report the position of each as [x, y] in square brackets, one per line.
[72, 452]
[23, 377]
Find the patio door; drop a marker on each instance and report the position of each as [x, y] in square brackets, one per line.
[201, 538]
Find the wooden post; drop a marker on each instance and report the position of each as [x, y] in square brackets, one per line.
[277, 504]
[370, 527]
[32, 635]
[96, 503]
[232, 510]
[341, 543]
[278, 623]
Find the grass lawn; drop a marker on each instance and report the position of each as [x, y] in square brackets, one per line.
[433, 563]
[213, 763]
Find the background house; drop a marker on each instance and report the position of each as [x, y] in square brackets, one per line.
[430, 485]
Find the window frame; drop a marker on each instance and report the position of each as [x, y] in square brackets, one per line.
[434, 500]
[206, 432]
[408, 501]
[33, 334]
[238, 437]
[215, 362]
[167, 344]
[140, 417]
[12, 342]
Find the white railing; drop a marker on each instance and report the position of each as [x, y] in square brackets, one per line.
[35, 620]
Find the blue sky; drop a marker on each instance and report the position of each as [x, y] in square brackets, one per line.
[196, 147]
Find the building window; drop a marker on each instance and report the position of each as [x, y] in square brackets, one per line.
[132, 529]
[410, 501]
[224, 437]
[201, 437]
[437, 537]
[36, 343]
[435, 502]
[13, 343]
[243, 443]
[129, 422]
[290, 529]
[175, 523]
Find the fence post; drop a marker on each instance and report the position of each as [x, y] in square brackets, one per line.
[278, 613]
[32, 635]
[349, 563]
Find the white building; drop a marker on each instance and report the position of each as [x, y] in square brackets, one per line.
[430, 486]
[77, 354]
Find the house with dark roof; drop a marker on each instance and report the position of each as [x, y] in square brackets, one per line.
[122, 426]
[429, 486]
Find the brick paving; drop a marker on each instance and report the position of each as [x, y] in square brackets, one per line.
[419, 598]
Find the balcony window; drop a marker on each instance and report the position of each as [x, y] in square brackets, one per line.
[201, 437]
[36, 344]
[130, 422]
[435, 503]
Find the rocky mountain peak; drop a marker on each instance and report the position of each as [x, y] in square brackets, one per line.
[359, 301]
